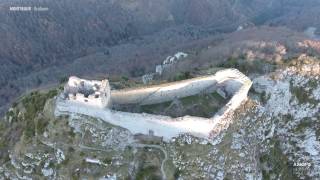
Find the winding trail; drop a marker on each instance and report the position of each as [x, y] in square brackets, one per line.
[160, 148]
[136, 145]
[81, 146]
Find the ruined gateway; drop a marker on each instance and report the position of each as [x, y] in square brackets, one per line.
[95, 98]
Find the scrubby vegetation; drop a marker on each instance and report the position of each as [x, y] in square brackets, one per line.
[182, 76]
[245, 66]
[275, 165]
[121, 82]
[148, 165]
[24, 120]
[202, 105]
[33, 105]
[264, 97]
[304, 123]
[267, 14]
[147, 173]
[137, 71]
[302, 95]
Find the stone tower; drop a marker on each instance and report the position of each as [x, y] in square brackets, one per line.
[105, 93]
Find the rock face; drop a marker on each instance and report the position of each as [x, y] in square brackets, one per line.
[291, 107]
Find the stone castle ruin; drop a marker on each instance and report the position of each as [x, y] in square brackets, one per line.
[94, 98]
[93, 93]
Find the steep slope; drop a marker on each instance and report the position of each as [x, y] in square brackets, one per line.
[275, 134]
[33, 42]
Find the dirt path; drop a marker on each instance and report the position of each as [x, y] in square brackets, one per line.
[82, 146]
[161, 149]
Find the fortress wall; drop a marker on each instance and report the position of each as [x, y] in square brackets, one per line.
[222, 118]
[164, 126]
[75, 82]
[165, 92]
[170, 91]
[91, 101]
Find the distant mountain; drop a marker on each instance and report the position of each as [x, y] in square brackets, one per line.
[34, 42]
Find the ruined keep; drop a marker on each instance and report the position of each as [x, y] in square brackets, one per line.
[90, 92]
